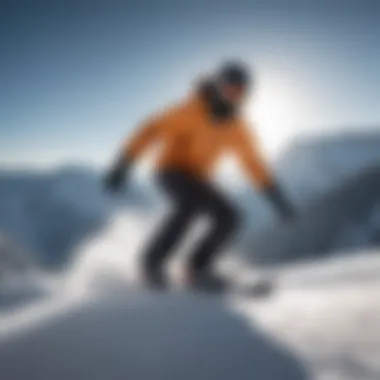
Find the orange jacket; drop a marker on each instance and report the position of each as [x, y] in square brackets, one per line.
[192, 143]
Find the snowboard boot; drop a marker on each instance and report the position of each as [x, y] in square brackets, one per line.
[205, 281]
[155, 279]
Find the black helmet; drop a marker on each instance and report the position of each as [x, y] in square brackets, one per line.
[234, 72]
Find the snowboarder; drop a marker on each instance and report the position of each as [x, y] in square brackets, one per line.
[193, 135]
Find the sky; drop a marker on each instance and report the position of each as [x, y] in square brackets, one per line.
[77, 76]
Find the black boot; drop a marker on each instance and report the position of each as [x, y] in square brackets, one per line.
[155, 279]
[208, 281]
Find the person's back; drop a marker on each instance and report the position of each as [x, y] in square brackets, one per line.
[193, 139]
[193, 135]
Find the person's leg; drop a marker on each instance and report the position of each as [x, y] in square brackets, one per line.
[163, 243]
[181, 191]
[225, 220]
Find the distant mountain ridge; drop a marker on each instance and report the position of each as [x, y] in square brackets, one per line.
[48, 213]
[51, 212]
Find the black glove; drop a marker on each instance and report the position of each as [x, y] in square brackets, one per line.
[117, 175]
[281, 204]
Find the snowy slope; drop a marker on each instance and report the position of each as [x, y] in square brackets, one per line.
[21, 280]
[147, 337]
[329, 314]
[323, 323]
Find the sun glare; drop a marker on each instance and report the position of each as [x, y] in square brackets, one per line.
[274, 117]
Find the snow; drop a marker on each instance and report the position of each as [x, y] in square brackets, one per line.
[322, 323]
[335, 329]
[148, 337]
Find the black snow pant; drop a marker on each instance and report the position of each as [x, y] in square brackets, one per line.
[191, 198]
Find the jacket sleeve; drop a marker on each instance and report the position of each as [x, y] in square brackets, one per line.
[151, 132]
[248, 152]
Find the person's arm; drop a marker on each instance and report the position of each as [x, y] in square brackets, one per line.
[147, 135]
[144, 137]
[249, 154]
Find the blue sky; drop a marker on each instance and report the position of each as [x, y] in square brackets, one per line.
[76, 77]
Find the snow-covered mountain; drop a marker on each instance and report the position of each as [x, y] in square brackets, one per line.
[334, 182]
[21, 281]
[49, 213]
[312, 166]
[12, 258]
[345, 218]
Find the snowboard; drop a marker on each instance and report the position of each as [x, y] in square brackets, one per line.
[255, 289]
[258, 289]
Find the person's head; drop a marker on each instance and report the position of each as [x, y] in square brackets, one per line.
[233, 81]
